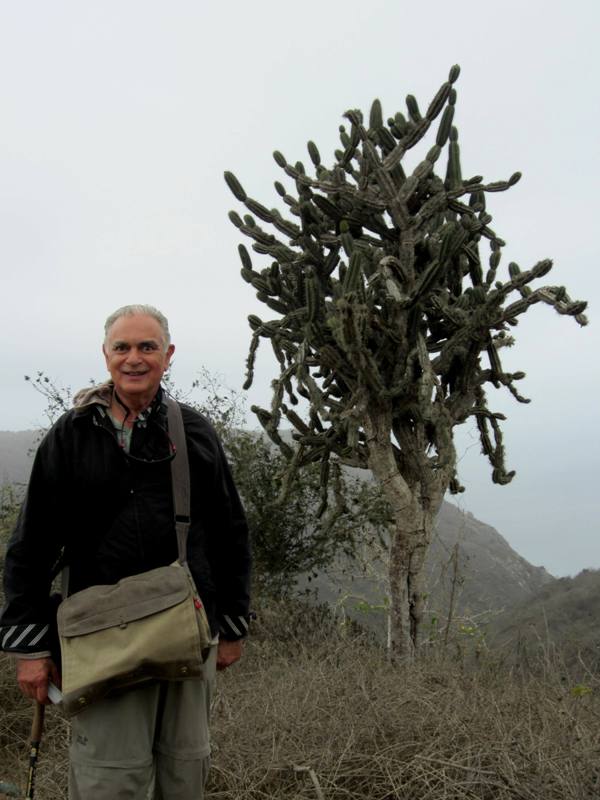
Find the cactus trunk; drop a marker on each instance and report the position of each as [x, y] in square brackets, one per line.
[410, 535]
[409, 541]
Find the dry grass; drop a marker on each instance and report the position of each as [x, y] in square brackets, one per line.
[15, 728]
[322, 716]
[332, 719]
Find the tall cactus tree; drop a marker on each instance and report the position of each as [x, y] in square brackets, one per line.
[385, 318]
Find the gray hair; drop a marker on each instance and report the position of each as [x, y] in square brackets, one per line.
[130, 311]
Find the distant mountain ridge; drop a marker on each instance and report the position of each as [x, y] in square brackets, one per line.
[15, 458]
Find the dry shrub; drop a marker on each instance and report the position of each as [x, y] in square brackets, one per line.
[326, 716]
[316, 712]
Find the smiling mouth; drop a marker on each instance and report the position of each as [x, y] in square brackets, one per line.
[135, 374]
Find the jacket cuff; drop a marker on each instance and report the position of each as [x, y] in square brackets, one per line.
[31, 656]
[232, 627]
[26, 640]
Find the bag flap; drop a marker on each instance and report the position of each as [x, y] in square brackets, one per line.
[132, 598]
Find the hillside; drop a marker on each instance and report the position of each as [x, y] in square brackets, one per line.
[490, 575]
[564, 613]
[470, 568]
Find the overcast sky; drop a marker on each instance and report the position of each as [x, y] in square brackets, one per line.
[119, 118]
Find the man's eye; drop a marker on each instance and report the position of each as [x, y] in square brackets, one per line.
[148, 348]
[119, 348]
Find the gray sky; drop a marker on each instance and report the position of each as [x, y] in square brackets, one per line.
[119, 119]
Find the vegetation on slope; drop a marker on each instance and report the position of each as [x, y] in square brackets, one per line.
[316, 711]
[563, 614]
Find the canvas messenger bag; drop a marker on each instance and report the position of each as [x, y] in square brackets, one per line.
[147, 626]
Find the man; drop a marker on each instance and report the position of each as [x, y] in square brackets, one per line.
[100, 492]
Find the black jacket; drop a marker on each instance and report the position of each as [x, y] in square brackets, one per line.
[112, 514]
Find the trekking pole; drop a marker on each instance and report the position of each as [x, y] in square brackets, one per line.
[37, 727]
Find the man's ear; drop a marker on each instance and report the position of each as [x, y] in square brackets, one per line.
[169, 353]
[105, 354]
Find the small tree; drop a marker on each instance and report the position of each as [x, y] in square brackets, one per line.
[290, 536]
[386, 317]
[290, 533]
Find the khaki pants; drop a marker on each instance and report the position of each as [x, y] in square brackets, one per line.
[150, 743]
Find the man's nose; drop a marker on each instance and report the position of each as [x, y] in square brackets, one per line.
[133, 356]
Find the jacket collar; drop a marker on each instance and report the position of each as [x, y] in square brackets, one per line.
[100, 396]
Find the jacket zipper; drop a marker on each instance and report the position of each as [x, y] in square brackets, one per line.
[138, 534]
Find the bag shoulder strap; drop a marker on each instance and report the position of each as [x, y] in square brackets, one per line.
[180, 477]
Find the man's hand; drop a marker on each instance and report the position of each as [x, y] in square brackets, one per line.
[33, 676]
[228, 653]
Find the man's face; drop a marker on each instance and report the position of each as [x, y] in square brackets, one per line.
[136, 357]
